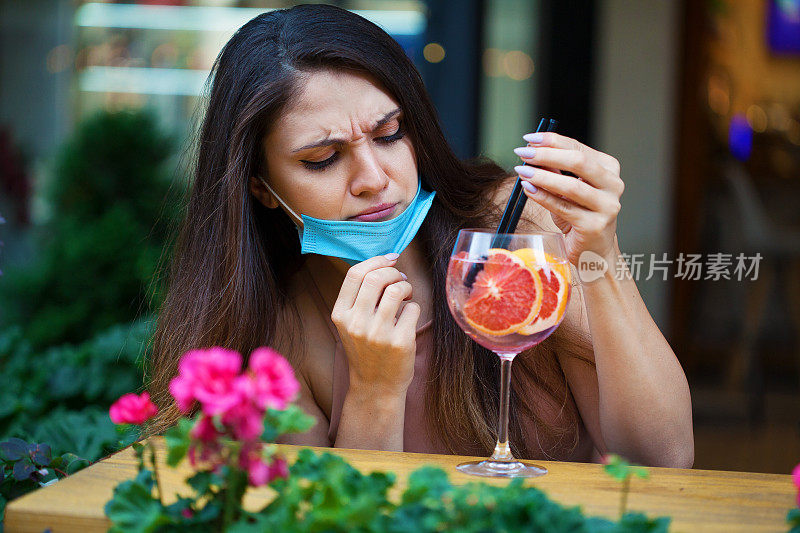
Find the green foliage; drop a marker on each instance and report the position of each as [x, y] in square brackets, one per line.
[793, 518]
[61, 395]
[324, 493]
[24, 467]
[620, 469]
[178, 440]
[290, 420]
[112, 207]
[133, 509]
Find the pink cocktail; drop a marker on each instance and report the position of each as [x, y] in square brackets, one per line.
[508, 292]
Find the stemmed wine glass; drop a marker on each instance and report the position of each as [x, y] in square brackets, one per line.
[508, 292]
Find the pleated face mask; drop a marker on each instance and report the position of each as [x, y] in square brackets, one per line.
[355, 241]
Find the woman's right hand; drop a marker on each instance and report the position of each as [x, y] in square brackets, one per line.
[377, 326]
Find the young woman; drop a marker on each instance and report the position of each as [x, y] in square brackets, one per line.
[317, 120]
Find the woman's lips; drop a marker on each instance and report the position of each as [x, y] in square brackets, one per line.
[375, 214]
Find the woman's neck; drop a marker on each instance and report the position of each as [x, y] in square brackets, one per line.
[329, 273]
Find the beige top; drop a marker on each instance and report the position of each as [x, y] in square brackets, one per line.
[416, 435]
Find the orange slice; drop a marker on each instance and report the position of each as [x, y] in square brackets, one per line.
[554, 301]
[506, 295]
[556, 277]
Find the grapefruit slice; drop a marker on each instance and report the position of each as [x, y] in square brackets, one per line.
[556, 277]
[506, 295]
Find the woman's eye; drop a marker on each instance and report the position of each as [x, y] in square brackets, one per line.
[319, 165]
[387, 139]
[396, 136]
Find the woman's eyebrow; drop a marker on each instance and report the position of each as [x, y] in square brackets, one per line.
[329, 141]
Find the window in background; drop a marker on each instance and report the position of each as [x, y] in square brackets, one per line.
[159, 54]
[508, 78]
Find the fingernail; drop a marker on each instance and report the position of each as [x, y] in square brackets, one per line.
[534, 138]
[525, 151]
[392, 256]
[404, 276]
[525, 171]
[528, 186]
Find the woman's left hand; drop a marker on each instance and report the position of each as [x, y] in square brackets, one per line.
[584, 207]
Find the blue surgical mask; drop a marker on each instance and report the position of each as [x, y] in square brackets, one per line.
[355, 241]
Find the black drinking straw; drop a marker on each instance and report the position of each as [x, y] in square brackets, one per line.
[520, 202]
[511, 214]
[516, 193]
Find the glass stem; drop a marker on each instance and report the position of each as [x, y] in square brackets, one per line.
[502, 450]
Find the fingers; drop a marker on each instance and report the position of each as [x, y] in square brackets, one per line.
[555, 140]
[393, 297]
[567, 210]
[568, 187]
[409, 316]
[374, 284]
[355, 277]
[576, 161]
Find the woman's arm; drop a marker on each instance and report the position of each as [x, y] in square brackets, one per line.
[377, 328]
[636, 401]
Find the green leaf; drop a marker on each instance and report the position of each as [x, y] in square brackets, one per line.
[13, 449]
[635, 522]
[178, 440]
[426, 482]
[41, 454]
[793, 518]
[23, 470]
[290, 420]
[73, 463]
[205, 482]
[133, 508]
[620, 469]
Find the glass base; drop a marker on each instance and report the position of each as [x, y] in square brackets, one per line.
[489, 468]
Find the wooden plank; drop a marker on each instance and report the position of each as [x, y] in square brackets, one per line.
[697, 500]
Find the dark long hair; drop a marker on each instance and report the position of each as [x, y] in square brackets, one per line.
[234, 257]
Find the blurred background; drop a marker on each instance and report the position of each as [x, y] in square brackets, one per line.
[700, 101]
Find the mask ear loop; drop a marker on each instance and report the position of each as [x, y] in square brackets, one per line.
[295, 216]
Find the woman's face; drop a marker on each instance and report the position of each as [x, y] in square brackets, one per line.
[339, 152]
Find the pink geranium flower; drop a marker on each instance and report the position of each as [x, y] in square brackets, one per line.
[259, 472]
[207, 376]
[205, 430]
[278, 469]
[132, 409]
[796, 479]
[244, 418]
[275, 384]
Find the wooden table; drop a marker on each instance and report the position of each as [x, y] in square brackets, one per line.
[697, 500]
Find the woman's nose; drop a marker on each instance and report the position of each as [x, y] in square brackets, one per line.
[367, 173]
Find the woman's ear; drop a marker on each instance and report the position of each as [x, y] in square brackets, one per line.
[261, 193]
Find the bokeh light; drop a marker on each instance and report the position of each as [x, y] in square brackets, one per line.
[433, 52]
[757, 118]
[518, 65]
[740, 138]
